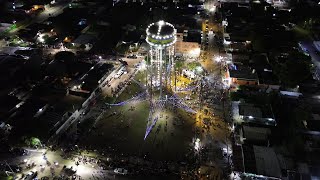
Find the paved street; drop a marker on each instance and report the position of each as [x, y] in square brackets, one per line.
[114, 83]
[215, 137]
[48, 12]
[315, 57]
[52, 164]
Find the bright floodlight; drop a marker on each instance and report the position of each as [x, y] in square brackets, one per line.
[161, 23]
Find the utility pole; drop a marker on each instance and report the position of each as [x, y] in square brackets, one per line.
[200, 94]
[175, 79]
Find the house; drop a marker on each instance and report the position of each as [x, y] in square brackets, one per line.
[267, 79]
[249, 113]
[254, 135]
[242, 75]
[260, 161]
[85, 40]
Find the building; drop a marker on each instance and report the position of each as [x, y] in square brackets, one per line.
[259, 162]
[267, 79]
[242, 75]
[85, 40]
[279, 4]
[187, 45]
[254, 135]
[255, 70]
[238, 46]
[252, 114]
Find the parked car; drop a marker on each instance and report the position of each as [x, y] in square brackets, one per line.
[31, 175]
[132, 57]
[119, 74]
[121, 171]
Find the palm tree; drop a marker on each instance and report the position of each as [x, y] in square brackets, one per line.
[177, 68]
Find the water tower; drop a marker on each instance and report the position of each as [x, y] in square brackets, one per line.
[161, 37]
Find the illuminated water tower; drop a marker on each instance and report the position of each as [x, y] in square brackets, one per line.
[161, 37]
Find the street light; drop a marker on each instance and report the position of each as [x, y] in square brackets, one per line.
[218, 59]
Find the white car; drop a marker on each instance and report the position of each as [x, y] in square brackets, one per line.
[121, 171]
[118, 75]
[31, 175]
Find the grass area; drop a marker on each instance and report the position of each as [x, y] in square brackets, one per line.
[123, 128]
[125, 132]
[301, 33]
[110, 100]
[3, 176]
[131, 90]
[193, 65]
[140, 76]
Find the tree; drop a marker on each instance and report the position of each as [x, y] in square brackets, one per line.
[122, 49]
[147, 59]
[193, 65]
[178, 66]
[65, 56]
[82, 46]
[294, 70]
[57, 69]
[49, 40]
[32, 141]
[235, 96]
[177, 69]
[35, 142]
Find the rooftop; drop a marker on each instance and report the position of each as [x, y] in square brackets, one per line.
[250, 110]
[261, 160]
[243, 72]
[161, 28]
[193, 36]
[84, 39]
[256, 114]
[8, 103]
[257, 134]
[267, 77]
